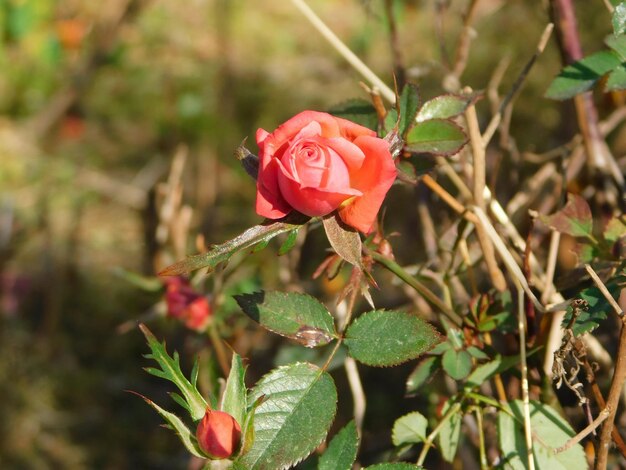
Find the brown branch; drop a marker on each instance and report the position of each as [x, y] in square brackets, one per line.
[396, 55]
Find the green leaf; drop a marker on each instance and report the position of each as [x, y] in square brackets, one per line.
[486, 371]
[596, 308]
[582, 75]
[170, 370]
[235, 393]
[477, 353]
[175, 423]
[394, 466]
[297, 316]
[391, 119]
[574, 219]
[386, 338]
[443, 107]
[409, 429]
[457, 364]
[409, 104]
[289, 243]
[341, 452]
[619, 19]
[616, 79]
[614, 230]
[449, 434]
[299, 407]
[618, 44]
[436, 136]
[422, 373]
[345, 240]
[222, 253]
[549, 431]
[360, 111]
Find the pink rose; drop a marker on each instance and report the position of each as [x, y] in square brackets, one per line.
[316, 163]
[218, 434]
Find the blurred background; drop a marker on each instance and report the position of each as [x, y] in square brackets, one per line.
[97, 98]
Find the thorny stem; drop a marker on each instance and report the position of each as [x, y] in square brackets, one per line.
[521, 325]
[429, 295]
[481, 439]
[605, 292]
[220, 351]
[428, 443]
[619, 376]
[604, 414]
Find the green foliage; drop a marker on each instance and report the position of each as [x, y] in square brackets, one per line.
[297, 316]
[582, 75]
[409, 104]
[449, 434]
[259, 234]
[457, 364]
[409, 429]
[193, 402]
[549, 432]
[422, 374]
[436, 136]
[176, 424]
[595, 308]
[299, 407]
[619, 19]
[386, 338]
[443, 107]
[342, 450]
[289, 242]
[394, 466]
[360, 111]
[234, 400]
[486, 371]
[574, 219]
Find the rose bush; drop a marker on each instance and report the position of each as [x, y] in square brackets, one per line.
[316, 163]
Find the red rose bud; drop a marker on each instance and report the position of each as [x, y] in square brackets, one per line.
[218, 434]
[316, 163]
[187, 305]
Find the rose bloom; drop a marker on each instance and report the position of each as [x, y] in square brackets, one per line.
[187, 305]
[316, 163]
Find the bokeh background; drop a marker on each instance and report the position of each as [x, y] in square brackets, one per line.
[96, 99]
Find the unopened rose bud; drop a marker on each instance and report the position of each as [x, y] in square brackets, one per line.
[187, 305]
[218, 434]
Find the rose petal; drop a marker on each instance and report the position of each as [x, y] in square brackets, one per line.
[351, 154]
[269, 201]
[288, 130]
[374, 179]
[310, 201]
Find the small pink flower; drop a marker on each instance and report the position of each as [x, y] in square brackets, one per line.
[218, 434]
[187, 305]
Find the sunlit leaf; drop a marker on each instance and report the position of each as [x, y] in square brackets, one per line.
[619, 19]
[618, 44]
[449, 434]
[422, 374]
[409, 103]
[176, 424]
[289, 242]
[342, 450]
[297, 316]
[550, 431]
[409, 429]
[298, 409]
[360, 111]
[436, 136]
[222, 253]
[170, 370]
[486, 371]
[457, 364]
[596, 308]
[345, 240]
[386, 338]
[394, 466]
[616, 79]
[235, 393]
[582, 75]
[443, 107]
[574, 219]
